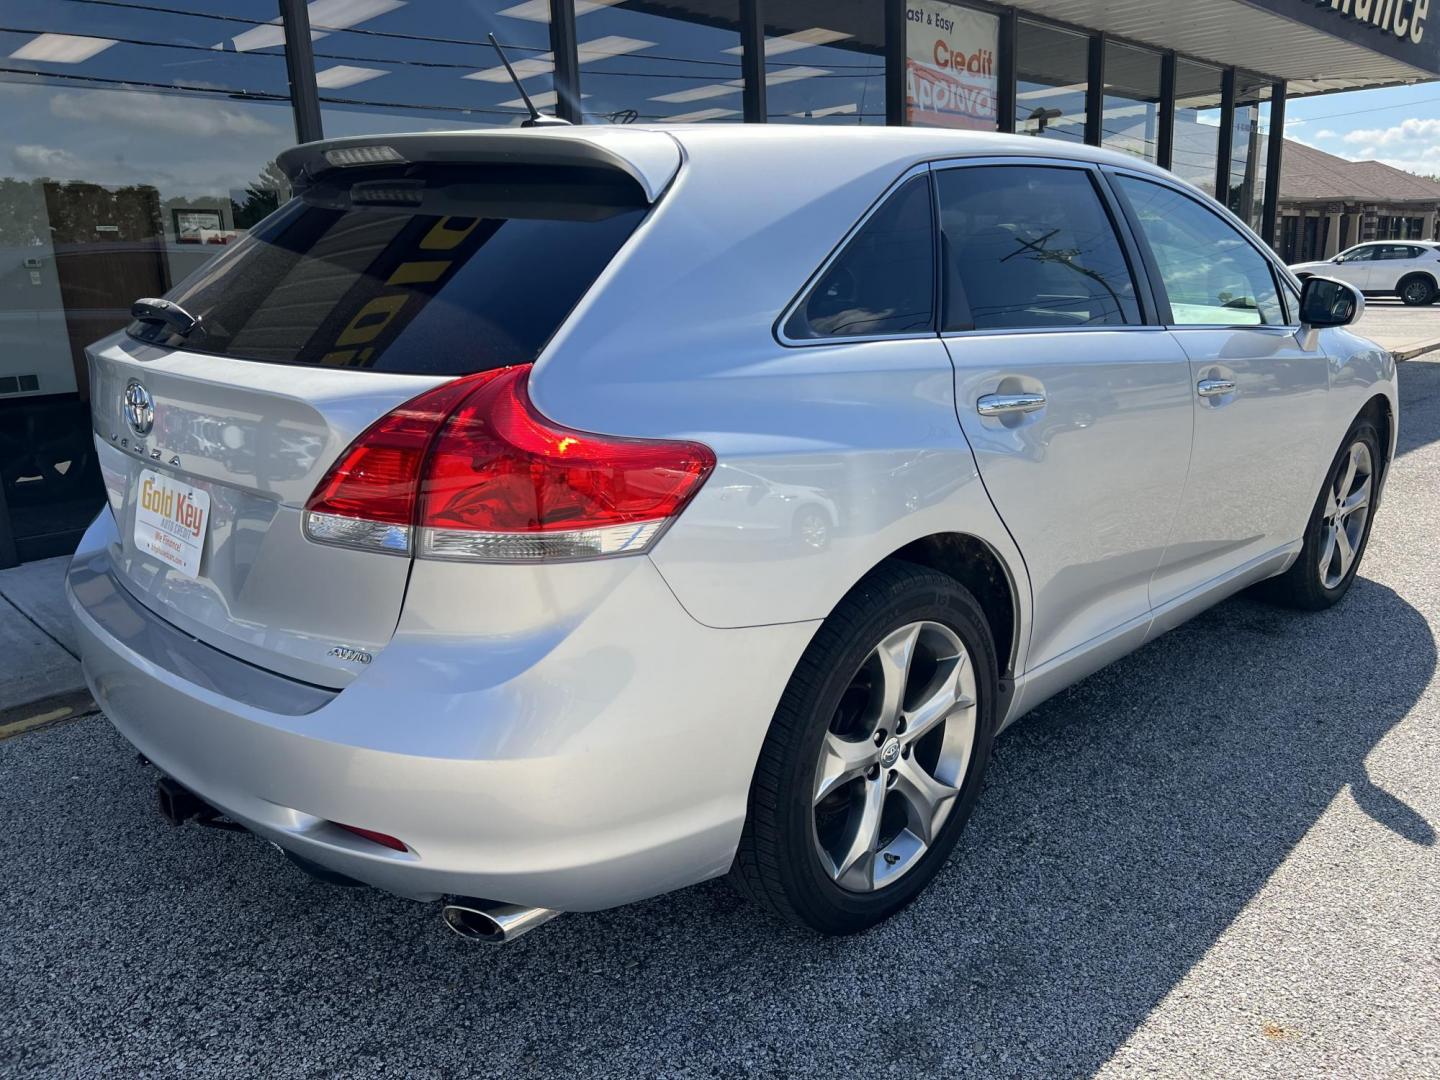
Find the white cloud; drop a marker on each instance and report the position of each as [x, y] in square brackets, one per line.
[181, 117]
[1323, 133]
[45, 160]
[1405, 132]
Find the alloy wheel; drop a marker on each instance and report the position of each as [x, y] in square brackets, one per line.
[1415, 292]
[894, 756]
[1346, 511]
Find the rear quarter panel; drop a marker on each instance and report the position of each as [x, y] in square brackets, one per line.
[677, 341]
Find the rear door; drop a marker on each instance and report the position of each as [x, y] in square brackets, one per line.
[1077, 409]
[1393, 262]
[1260, 396]
[369, 288]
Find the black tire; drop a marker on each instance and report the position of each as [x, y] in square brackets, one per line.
[1301, 587]
[777, 864]
[1416, 290]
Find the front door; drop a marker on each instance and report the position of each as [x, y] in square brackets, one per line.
[1357, 266]
[1078, 412]
[1259, 397]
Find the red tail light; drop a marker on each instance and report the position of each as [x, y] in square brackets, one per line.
[484, 476]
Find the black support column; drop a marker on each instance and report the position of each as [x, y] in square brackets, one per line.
[1226, 143]
[894, 62]
[1006, 68]
[1165, 140]
[300, 67]
[1275, 155]
[752, 59]
[1095, 92]
[567, 60]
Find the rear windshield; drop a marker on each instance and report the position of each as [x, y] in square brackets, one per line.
[441, 270]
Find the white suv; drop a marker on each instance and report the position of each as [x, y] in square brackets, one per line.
[1408, 269]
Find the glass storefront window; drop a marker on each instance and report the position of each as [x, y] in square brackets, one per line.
[139, 142]
[1249, 152]
[1130, 118]
[950, 74]
[825, 61]
[427, 65]
[1052, 72]
[1197, 123]
[669, 63]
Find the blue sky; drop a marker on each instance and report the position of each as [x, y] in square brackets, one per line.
[1399, 126]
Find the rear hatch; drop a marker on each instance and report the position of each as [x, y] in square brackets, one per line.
[391, 272]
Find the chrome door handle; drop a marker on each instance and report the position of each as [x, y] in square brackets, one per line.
[1004, 404]
[1215, 387]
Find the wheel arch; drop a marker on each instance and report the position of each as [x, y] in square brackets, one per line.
[1378, 408]
[976, 565]
[1411, 275]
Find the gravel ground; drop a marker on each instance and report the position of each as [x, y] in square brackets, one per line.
[1216, 857]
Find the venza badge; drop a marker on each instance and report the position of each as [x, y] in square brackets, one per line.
[138, 407]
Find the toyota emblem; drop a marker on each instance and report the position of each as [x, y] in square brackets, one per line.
[138, 407]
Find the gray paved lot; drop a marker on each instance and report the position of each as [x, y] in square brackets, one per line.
[1217, 858]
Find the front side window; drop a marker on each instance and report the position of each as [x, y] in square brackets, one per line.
[1359, 254]
[1030, 246]
[1212, 275]
[883, 282]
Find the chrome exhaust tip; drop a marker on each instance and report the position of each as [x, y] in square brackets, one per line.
[489, 920]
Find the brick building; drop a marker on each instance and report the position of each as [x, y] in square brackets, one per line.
[1328, 204]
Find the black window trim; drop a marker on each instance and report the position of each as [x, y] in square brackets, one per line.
[1145, 299]
[813, 281]
[1279, 272]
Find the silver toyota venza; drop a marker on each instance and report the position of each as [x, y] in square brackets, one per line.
[542, 520]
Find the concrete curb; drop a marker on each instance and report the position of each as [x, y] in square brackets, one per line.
[1401, 355]
[42, 682]
[55, 709]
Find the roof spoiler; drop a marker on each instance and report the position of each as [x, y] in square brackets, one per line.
[650, 158]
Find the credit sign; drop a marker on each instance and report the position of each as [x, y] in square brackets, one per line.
[950, 76]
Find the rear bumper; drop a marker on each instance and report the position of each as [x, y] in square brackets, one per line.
[576, 767]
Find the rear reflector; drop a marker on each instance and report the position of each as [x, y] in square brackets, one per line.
[383, 839]
[485, 477]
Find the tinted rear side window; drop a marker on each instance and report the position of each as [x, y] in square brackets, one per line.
[883, 282]
[444, 271]
[1030, 246]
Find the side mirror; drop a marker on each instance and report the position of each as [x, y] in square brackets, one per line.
[1338, 259]
[1327, 302]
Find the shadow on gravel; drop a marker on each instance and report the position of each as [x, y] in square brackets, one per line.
[1125, 825]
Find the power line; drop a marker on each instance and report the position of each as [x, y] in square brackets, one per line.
[1377, 108]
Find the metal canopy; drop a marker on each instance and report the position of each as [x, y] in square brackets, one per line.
[1317, 50]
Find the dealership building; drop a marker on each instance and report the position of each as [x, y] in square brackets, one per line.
[140, 135]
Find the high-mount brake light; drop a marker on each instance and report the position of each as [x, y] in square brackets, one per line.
[485, 477]
[346, 156]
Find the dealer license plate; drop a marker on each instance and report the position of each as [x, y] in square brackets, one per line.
[170, 520]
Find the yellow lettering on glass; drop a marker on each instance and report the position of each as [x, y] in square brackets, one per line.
[371, 319]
